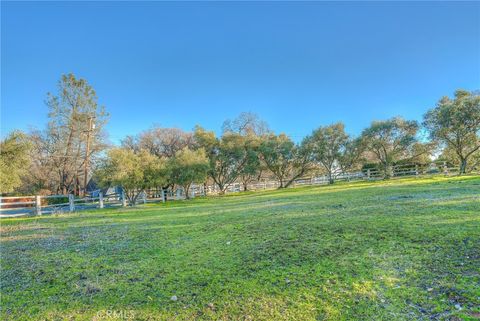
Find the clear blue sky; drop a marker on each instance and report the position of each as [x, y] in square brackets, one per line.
[297, 65]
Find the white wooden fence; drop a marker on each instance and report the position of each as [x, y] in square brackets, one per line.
[55, 204]
[38, 205]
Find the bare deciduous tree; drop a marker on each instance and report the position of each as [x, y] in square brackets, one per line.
[246, 124]
[162, 142]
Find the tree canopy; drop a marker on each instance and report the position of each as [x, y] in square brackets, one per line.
[134, 172]
[456, 124]
[188, 167]
[285, 159]
[246, 124]
[326, 146]
[227, 156]
[14, 160]
[392, 140]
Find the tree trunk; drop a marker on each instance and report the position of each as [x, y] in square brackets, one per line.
[463, 166]
[290, 182]
[330, 178]
[222, 189]
[388, 171]
[129, 197]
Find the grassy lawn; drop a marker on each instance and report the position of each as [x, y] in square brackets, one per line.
[399, 250]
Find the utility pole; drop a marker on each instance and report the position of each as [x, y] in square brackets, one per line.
[87, 155]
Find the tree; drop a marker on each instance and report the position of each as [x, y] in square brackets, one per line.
[327, 144]
[134, 172]
[449, 155]
[74, 136]
[227, 156]
[14, 160]
[252, 128]
[351, 155]
[162, 142]
[392, 140]
[253, 168]
[455, 123]
[188, 167]
[286, 160]
[246, 124]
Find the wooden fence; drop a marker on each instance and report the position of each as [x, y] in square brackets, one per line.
[38, 205]
[57, 204]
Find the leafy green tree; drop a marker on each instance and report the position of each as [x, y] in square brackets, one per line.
[253, 129]
[392, 140]
[327, 144]
[188, 167]
[134, 172]
[455, 123]
[253, 169]
[351, 155]
[286, 160]
[227, 156]
[204, 139]
[14, 160]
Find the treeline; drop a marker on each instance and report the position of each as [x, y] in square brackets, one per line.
[72, 151]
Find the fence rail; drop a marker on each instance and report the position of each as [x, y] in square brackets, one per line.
[12, 206]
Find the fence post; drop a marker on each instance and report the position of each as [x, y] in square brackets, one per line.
[38, 205]
[71, 202]
[416, 169]
[445, 168]
[144, 197]
[100, 199]
[123, 199]
[193, 193]
[178, 193]
[368, 174]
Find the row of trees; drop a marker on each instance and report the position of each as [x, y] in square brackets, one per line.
[63, 157]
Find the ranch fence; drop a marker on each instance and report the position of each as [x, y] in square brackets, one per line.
[56, 204]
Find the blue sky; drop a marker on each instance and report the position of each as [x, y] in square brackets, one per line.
[297, 65]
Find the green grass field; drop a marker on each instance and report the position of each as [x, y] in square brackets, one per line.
[396, 250]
